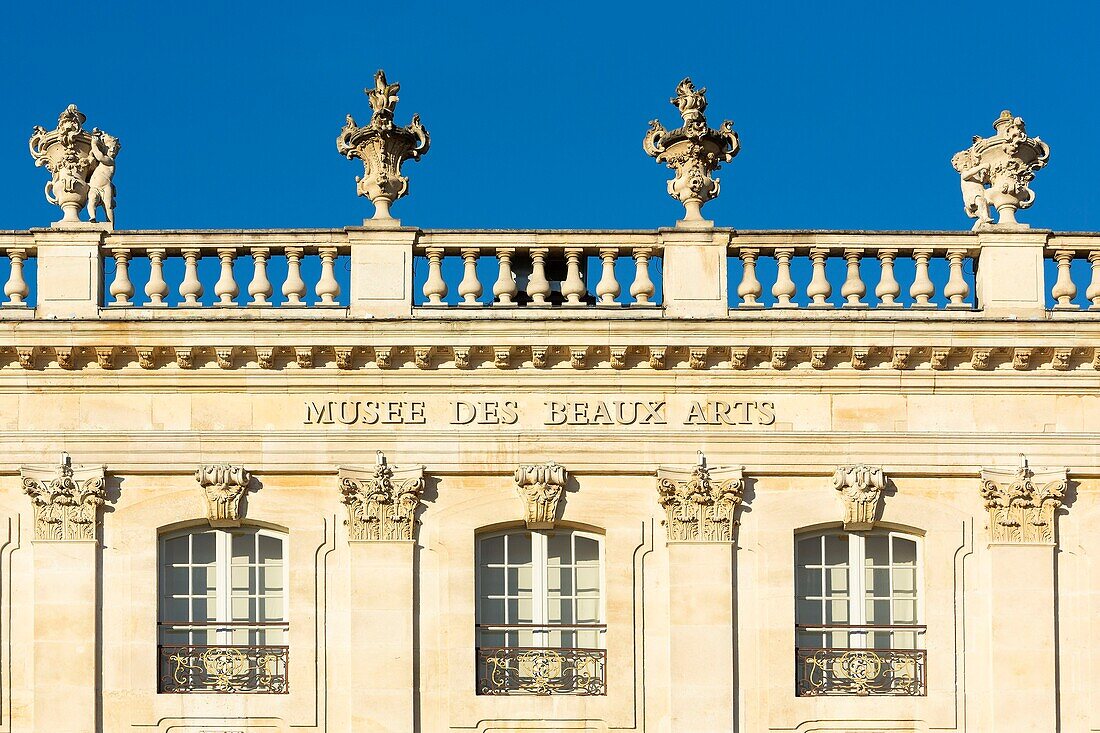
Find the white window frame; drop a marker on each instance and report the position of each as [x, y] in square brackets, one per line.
[540, 596]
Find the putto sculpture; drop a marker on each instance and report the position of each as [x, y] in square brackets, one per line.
[82, 165]
[693, 150]
[382, 147]
[995, 171]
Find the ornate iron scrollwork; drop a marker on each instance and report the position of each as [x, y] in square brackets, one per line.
[541, 671]
[861, 672]
[224, 669]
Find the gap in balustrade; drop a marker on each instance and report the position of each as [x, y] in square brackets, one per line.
[209, 271]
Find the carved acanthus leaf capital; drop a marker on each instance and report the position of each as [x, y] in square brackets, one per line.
[66, 499]
[381, 500]
[1023, 503]
[540, 487]
[700, 503]
[223, 485]
[860, 488]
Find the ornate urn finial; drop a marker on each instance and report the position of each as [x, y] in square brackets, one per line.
[1006, 163]
[82, 165]
[382, 147]
[693, 150]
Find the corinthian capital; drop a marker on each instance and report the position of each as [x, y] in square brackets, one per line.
[381, 501]
[861, 489]
[383, 147]
[700, 502]
[1023, 503]
[223, 486]
[540, 486]
[693, 150]
[66, 499]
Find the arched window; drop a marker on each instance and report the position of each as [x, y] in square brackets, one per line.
[540, 618]
[858, 614]
[222, 619]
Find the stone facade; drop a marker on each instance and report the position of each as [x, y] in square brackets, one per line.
[709, 427]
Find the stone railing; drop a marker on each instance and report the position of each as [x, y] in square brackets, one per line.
[388, 271]
[227, 284]
[539, 269]
[866, 274]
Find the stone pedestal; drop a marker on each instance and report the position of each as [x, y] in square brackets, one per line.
[1022, 668]
[383, 258]
[382, 643]
[65, 654]
[69, 277]
[701, 637]
[1009, 276]
[695, 272]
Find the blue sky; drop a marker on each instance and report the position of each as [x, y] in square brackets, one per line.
[848, 112]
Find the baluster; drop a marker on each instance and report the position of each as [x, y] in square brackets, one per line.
[16, 287]
[260, 288]
[121, 287]
[226, 287]
[642, 289]
[819, 288]
[922, 288]
[294, 287]
[572, 288]
[328, 289]
[505, 289]
[749, 289]
[1093, 292]
[156, 288]
[435, 287]
[888, 288]
[956, 289]
[853, 288]
[1064, 291]
[538, 287]
[470, 287]
[191, 287]
[783, 289]
[608, 287]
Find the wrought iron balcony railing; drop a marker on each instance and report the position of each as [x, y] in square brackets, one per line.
[867, 670]
[225, 668]
[542, 670]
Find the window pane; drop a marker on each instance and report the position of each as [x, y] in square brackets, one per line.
[244, 579]
[174, 609]
[272, 578]
[175, 582]
[905, 581]
[558, 550]
[519, 580]
[807, 612]
[272, 609]
[836, 549]
[492, 550]
[519, 549]
[243, 609]
[808, 551]
[878, 550]
[837, 612]
[271, 549]
[560, 611]
[588, 579]
[492, 581]
[878, 582]
[808, 581]
[588, 611]
[203, 609]
[202, 580]
[175, 551]
[838, 581]
[244, 548]
[905, 612]
[878, 612]
[905, 551]
[588, 550]
[492, 610]
[202, 548]
[526, 612]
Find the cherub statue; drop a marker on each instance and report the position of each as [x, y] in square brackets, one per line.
[973, 177]
[101, 189]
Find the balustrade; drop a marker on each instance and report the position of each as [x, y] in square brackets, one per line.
[233, 275]
[863, 260]
[1073, 261]
[531, 275]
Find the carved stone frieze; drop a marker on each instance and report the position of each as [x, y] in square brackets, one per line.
[860, 488]
[819, 357]
[381, 501]
[462, 356]
[780, 354]
[939, 358]
[224, 356]
[502, 357]
[382, 356]
[304, 356]
[618, 357]
[65, 357]
[105, 356]
[343, 356]
[899, 357]
[383, 147]
[980, 359]
[540, 487]
[1021, 358]
[693, 150]
[860, 354]
[1060, 359]
[700, 503]
[578, 356]
[223, 485]
[1023, 503]
[67, 499]
[265, 357]
[25, 355]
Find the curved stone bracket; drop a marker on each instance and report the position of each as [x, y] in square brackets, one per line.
[223, 486]
[860, 487]
[540, 487]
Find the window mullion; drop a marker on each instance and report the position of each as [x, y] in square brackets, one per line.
[222, 583]
[857, 602]
[538, 582]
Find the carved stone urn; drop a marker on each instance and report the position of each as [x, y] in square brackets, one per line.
[1006, 163]
[693, 150]
[383, 147]
[73, 156]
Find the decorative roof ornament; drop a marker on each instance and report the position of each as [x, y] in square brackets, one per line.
[382, 147]
[693, 150]
[1006, 163]
[82, 165]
